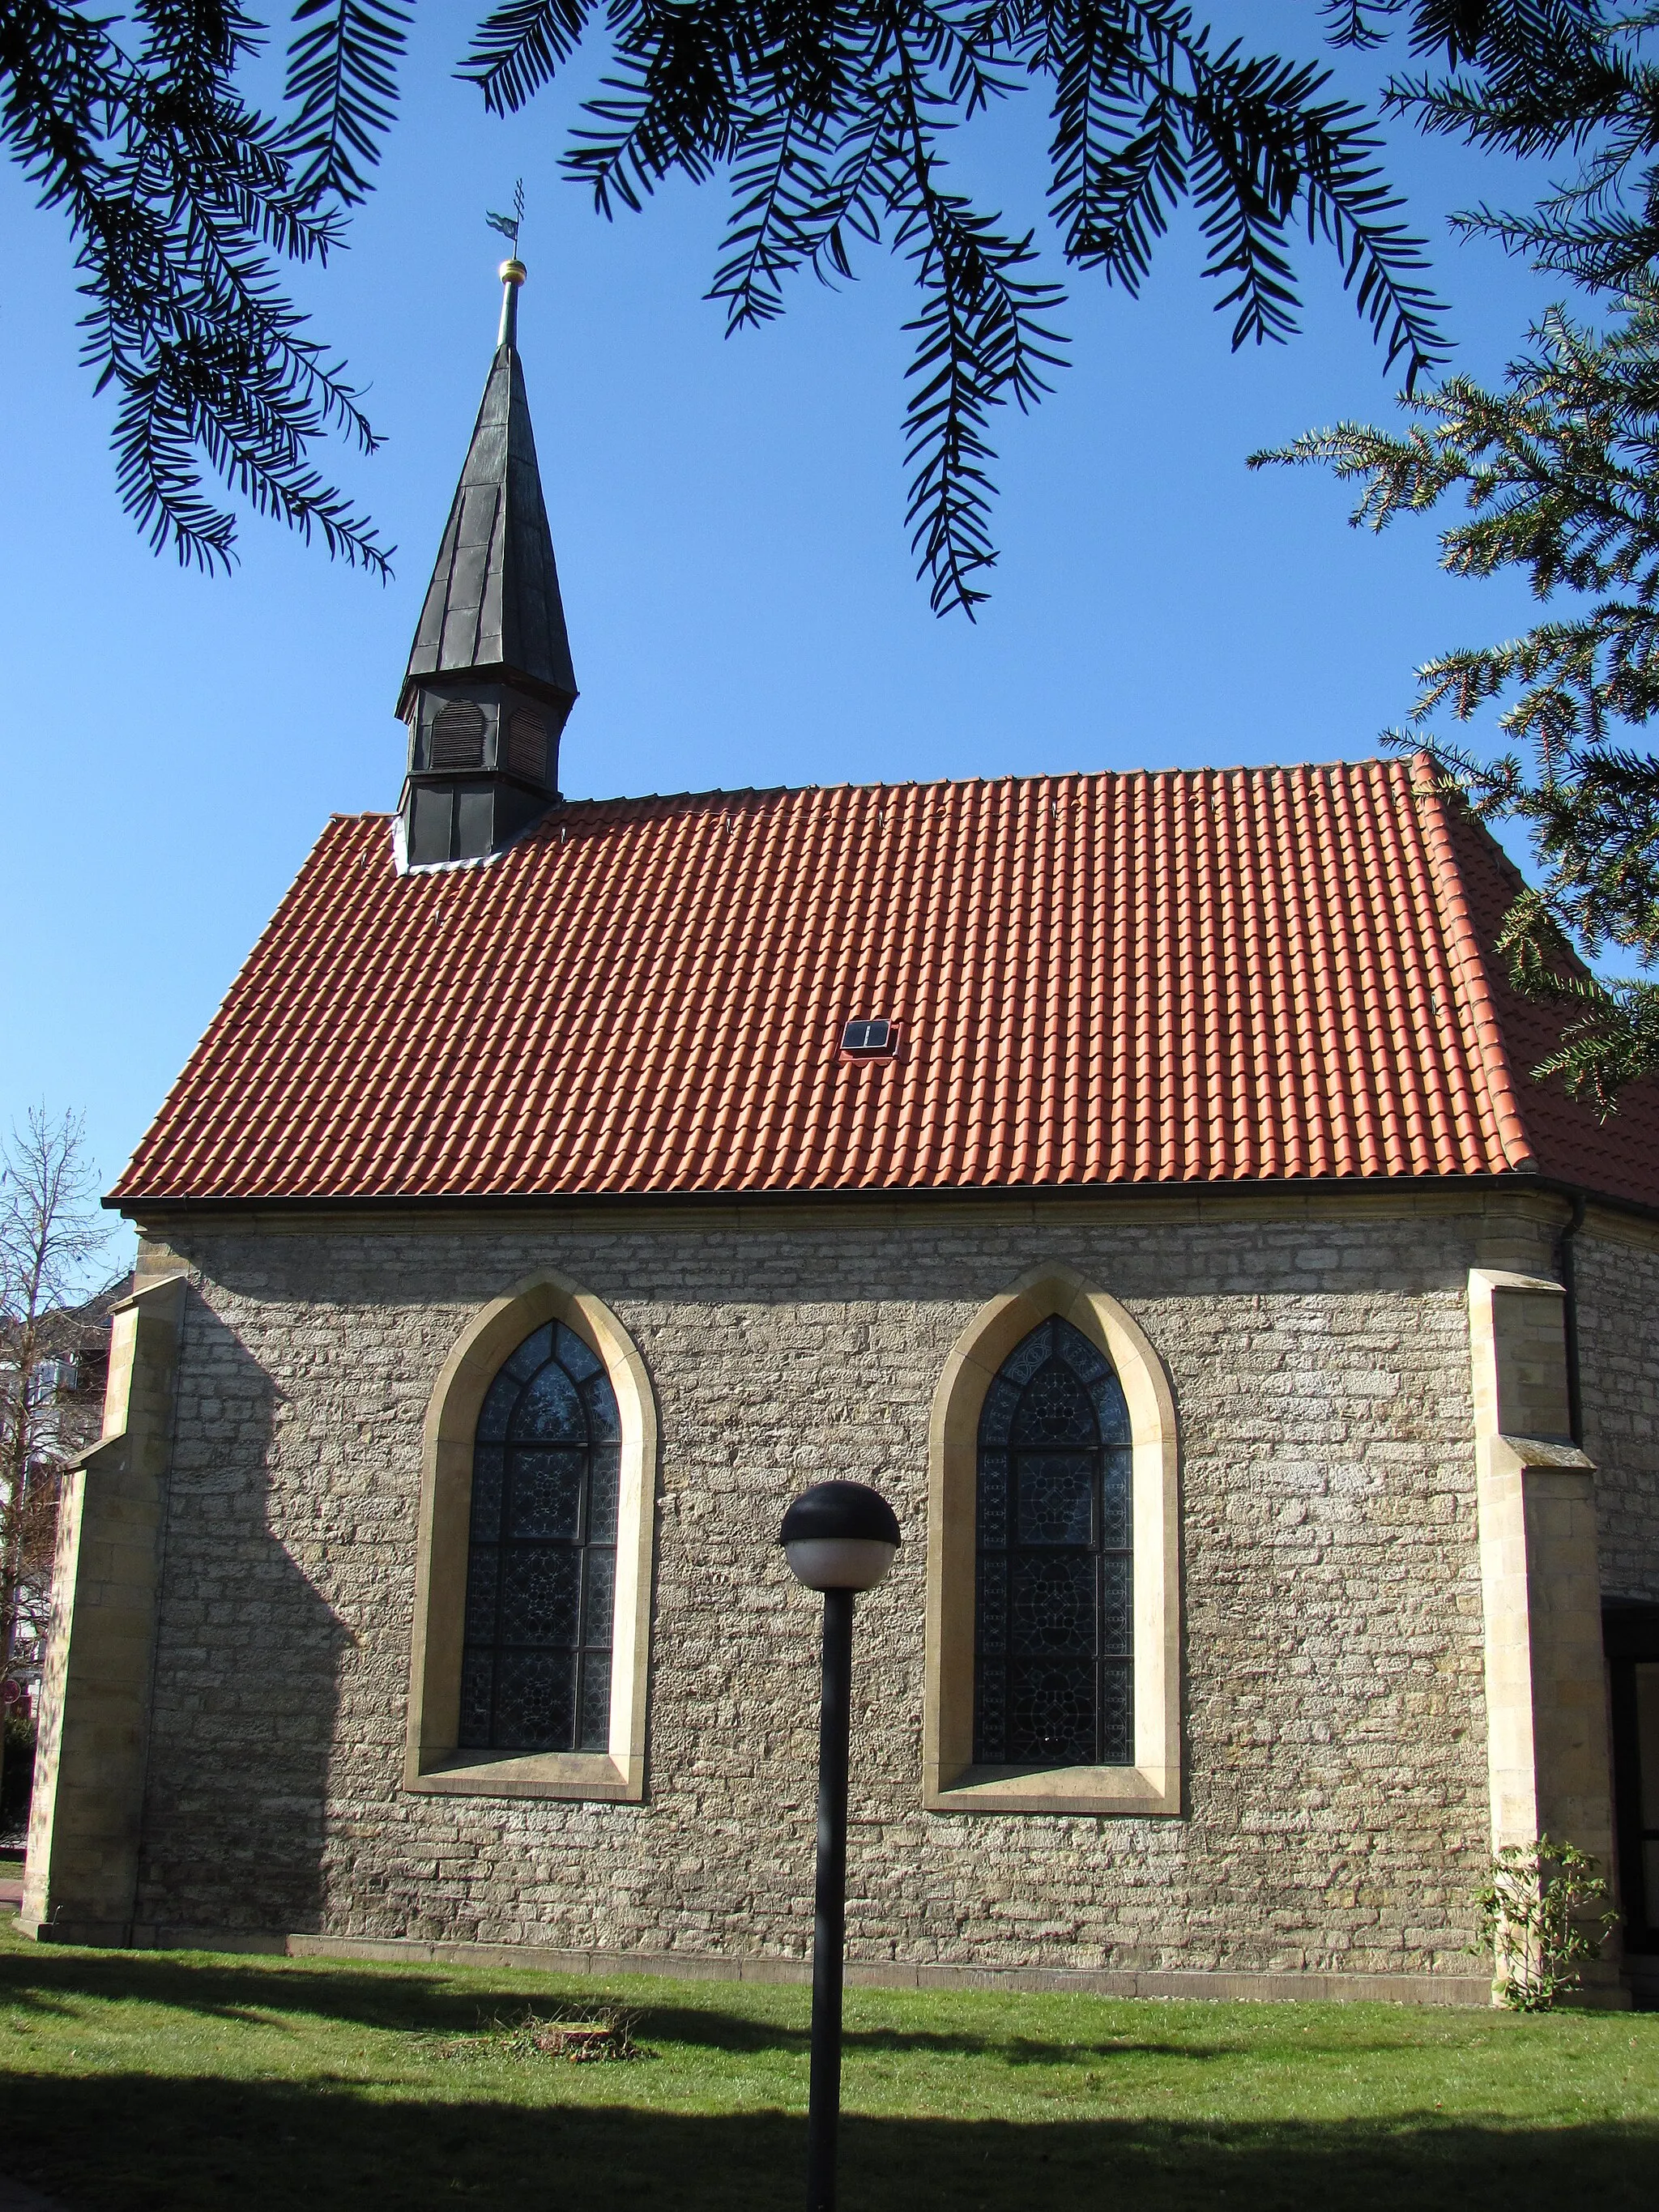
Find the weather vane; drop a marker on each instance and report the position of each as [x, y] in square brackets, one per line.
[509, 225]
[512, 271]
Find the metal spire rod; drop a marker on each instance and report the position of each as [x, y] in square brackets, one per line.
[513, 274]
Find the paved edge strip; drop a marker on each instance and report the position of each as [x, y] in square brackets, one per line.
[885, 1974]
[1284, 1986]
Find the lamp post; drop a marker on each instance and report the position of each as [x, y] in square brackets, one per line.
[839, 1538]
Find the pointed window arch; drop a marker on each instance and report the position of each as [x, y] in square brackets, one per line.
[1053, 1584]
[1053, 1612]
[542, 1553]
[530, 1654]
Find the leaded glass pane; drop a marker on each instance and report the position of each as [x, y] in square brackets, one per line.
[599, 1598]
[1115, 1495]
[1111, 1409]
[1055, 1409]
[573, 1355]
[541, 1594]
[1053, 1586]
[499, 1401]
[1001, 1402]
[1023, 1361]
[541, 1565]
[993, 1498]
[596, 1703]
[1052, 1711]
[600, 1401]
[550, 1411]
[535, 1700]
[477, 1683]
[547, 1494]
[1117, 1624]
[1117, 1715]
[482, 1573]
[488, 1469]
[1054, 1602]
[532, 1353]
[992, 1605]
[1081, 1357]
[1056, 1497]
[604, 1481]
[990, 1711]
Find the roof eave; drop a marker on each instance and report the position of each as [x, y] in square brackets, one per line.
[1521, 1181]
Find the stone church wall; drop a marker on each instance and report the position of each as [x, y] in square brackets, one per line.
[1617, 1287]
[1336, 1783]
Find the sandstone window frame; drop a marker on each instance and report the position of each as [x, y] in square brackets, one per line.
[951, 1782]
[434, 1765]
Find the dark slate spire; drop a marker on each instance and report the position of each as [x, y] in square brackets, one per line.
[489, 683]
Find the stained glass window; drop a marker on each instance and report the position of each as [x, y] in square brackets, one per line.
[1053, 1614]
[542, 1553]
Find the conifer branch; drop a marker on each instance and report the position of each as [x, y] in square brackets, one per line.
[1559, 472]
[830, 121]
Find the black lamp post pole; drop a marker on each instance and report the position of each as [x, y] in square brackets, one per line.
[829, 1922]
[839, 1538]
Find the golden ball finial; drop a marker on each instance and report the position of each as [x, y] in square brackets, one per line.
[513, 272]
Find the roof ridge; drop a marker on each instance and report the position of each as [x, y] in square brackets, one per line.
[1057, 775]
[1470, 967]
[942, 783]
[1099, 776]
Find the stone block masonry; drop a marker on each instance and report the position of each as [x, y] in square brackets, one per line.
[1618, 1277]
[1335, 1811]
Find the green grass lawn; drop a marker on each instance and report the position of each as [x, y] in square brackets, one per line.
[173, 2080]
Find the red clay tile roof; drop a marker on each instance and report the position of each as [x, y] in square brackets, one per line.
[1178, 978]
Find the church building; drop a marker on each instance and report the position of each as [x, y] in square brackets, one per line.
[1139, 1178]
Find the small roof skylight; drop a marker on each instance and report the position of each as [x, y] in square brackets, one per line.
[869, 1035]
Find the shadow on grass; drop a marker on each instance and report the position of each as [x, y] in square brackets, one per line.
[1029, 2050]
[134, 2143]
[40, 1978]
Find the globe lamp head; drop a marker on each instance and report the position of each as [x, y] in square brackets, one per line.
[840, 1536]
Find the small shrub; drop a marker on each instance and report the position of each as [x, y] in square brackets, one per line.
[1536, 1919]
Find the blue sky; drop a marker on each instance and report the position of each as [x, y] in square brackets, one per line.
[729, 521]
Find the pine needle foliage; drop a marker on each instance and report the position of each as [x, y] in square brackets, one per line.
[1559, 470]
[834, 125]
[1573, 78]
[181, 199]
[343, 91]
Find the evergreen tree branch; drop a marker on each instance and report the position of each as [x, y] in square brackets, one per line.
[177, 194]
[980, 340]
[520, 47]
[1559, 472]
[828, 119]
[343, 90]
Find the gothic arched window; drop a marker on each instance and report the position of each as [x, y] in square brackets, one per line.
[1053, 1638]
[542, 1553]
